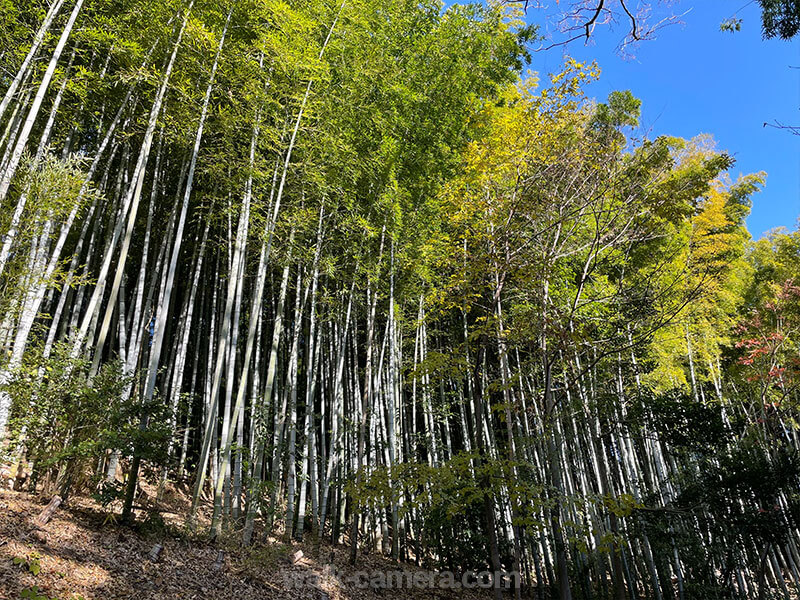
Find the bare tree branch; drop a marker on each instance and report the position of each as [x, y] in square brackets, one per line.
[794, 129]
[581, 18]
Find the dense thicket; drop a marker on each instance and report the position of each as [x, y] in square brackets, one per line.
[341, 271]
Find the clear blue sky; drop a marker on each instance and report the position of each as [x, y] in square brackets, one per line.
[695, 79]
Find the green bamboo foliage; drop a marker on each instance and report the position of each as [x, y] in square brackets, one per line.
[343, 273]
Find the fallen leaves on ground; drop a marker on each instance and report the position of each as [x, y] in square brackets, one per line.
[79, 554]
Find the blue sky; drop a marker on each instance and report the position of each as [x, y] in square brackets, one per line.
[695, 79]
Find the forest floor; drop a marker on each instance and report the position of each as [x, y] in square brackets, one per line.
[83, 554]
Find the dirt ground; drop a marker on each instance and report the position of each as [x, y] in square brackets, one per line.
[82, 554]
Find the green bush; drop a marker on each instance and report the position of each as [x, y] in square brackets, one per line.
[67, 422]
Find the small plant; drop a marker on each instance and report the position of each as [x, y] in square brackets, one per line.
[154, 525]
[30, 562]
[107, 495]
[33, 593]
[108, 492]
[111, 517]
[265, 558]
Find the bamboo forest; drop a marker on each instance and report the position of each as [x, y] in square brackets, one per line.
[306, 286]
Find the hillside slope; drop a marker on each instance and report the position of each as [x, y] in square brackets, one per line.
[81, 554]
